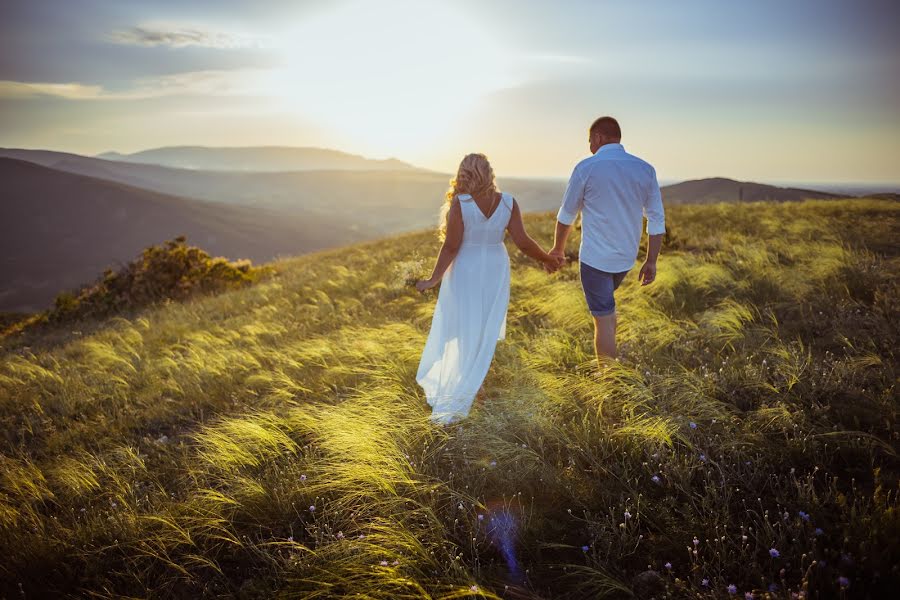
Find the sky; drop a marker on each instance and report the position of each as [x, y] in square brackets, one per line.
[768, 90]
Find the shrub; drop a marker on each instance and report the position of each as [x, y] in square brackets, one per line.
[172, 271]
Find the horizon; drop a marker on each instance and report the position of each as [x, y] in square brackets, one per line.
[794, 94]
[824, 185]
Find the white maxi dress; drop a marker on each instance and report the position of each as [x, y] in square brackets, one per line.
[470, 314]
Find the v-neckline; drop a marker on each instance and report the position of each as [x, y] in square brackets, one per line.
[486, 217]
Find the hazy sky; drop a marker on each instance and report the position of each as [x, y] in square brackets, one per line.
[769, 90]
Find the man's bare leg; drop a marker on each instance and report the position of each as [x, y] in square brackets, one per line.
[605, 338]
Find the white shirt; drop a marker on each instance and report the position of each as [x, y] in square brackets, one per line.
[613, 190]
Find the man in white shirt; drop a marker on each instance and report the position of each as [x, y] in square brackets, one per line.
[613, 190]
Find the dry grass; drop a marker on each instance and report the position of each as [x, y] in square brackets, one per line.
[272, 441]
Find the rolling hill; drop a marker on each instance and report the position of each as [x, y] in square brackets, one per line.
[59, 230]
[374, 202]
[258, 158]
[272, 442]
[720, 189]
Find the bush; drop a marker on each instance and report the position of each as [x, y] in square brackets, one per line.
[172, 271]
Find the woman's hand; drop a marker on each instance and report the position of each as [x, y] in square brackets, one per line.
[553, 262]
[425, 284]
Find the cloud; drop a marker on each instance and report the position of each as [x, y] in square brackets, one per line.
[180, 37]
[72, 91]
[234, 82]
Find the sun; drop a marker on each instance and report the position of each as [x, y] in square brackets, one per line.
[391, 76]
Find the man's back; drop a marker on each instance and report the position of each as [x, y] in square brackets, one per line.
[614, 190]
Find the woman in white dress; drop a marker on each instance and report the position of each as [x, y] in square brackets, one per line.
[473, 269]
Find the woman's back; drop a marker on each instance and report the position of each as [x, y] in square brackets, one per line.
[481, 230]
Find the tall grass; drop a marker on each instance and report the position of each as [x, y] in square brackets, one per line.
[272, 442]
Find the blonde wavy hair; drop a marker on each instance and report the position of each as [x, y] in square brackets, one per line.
[475, 176]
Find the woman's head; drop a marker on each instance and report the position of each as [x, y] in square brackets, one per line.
[475, 176]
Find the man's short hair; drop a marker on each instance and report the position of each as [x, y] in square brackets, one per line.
[608, 127]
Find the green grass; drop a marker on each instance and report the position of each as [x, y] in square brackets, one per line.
[178, 451]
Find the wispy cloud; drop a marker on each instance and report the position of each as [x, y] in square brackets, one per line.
[179, 37]
[73, 91]
[201, 83]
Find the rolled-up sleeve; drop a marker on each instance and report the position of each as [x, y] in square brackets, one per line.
[653, 209]
[573, 199]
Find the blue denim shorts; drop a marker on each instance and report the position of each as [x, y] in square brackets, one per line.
[598, 289]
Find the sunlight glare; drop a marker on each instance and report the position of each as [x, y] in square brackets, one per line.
[392, 76]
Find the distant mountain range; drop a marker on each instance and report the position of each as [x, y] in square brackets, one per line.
[374, 202]
[258, 158]
[65, 217]
[60, 230]
[720, 189]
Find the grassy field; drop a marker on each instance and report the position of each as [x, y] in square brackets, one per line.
[272, 441]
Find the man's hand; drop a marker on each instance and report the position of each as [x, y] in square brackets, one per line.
[558, 260]
[647, 273]
[425, 284]
[554, 264]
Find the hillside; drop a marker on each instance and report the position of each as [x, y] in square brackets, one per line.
[372, 202]
[59, 230]
[720, 189]
[257, 158]
[376, 202]
[272, 442]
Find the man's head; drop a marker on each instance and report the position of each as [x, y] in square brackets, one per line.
[604, 130]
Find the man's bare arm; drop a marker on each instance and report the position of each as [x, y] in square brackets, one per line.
[647, 274]
[559, 239]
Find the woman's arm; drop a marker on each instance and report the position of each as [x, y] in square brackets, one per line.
[527, 245]
[449, 249]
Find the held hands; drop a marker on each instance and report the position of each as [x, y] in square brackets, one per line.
[647, 273]
[554, 261]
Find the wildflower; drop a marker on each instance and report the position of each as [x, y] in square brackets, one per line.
[474, 589]
[843, 581]
[803, 515]
[339, 535]
[627, 515]
[384, 563]
[290, 538]
[312, 508]
[703, 457]
[705, 582]
[743, 538]
[819, 531]
[696, 541]
[396, 562]
[585, 548]
[360, 536]
[774, 553]
[693, 425]
[732, 589]
[493, 463]
[748, 595]
[668, 565]
[481, 517]
[655, 479]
